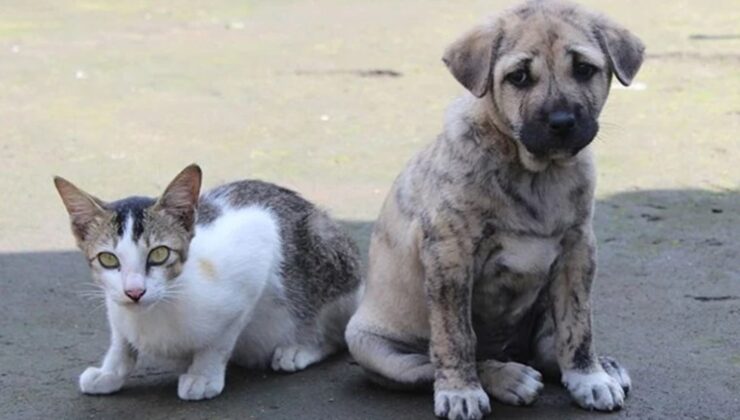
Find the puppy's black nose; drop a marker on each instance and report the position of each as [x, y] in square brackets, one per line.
[561, 122]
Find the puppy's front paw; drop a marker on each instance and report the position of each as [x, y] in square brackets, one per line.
[511, 383]
[461, 404]
[97, 381]
[198, 387]
[294, 358]
[594, 391]
[615, 369]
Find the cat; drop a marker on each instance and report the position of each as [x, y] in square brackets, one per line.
[250, 273]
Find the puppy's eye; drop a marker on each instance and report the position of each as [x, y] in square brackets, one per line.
[584, 71]
[108, 260]
[158, 255]
[519, 78]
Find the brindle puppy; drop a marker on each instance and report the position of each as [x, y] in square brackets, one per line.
[484, 254]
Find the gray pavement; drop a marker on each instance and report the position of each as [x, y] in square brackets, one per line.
[667, 304]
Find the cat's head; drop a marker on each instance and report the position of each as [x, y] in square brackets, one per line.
[136, 246]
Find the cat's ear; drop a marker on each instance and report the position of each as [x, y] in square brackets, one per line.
[82, 207]
[180, 198]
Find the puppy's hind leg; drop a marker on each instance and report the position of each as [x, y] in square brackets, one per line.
[388, 362]
[396, 365]
[543, 344]
[510, 382]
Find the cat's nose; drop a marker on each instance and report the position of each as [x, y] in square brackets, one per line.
[135, 294]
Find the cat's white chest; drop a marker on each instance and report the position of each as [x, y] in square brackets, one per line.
[166, 332]
[231, 261]
[155, 336]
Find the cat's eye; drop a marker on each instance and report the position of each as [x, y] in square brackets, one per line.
[519, 78]
[583, 72]
[108, 260]
[158, 255]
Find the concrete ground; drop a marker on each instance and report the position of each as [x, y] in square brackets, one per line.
[331, 97]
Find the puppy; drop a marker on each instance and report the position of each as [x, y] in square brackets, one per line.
[482, 259]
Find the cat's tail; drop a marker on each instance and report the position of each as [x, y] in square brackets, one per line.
[334, 317]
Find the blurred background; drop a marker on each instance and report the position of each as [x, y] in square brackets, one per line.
[331, 98]
[328, 97]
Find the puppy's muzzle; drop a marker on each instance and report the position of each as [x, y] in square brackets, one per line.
[558, 132]
[561, 122]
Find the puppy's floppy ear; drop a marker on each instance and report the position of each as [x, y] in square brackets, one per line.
[624, 49]
[470, 58]
[180, 198]
[82, 207]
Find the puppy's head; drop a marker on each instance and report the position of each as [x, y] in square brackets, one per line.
[545, 67]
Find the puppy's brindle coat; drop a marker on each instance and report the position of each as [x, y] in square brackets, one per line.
[483, 256]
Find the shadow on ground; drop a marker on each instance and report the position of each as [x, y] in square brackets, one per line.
[667, 303]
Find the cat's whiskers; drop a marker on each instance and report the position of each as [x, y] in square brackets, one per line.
[170, 296]
[97, 307]
[91, 292]
[175, 291]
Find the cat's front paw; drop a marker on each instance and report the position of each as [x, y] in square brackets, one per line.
[461, 404]
[295, 357]
[97, 381]
[594, 391]
[198, 387]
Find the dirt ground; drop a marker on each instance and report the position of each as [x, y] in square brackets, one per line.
[331, 97]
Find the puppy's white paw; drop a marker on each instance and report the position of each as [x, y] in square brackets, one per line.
[461, 404]
[615, 369]
[97, 381]
[295, 357]
[511, 383]
[198, 387]
[594, 391]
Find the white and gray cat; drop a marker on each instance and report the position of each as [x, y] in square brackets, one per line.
[250, 273]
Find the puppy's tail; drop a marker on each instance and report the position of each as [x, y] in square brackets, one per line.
[390, 363]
